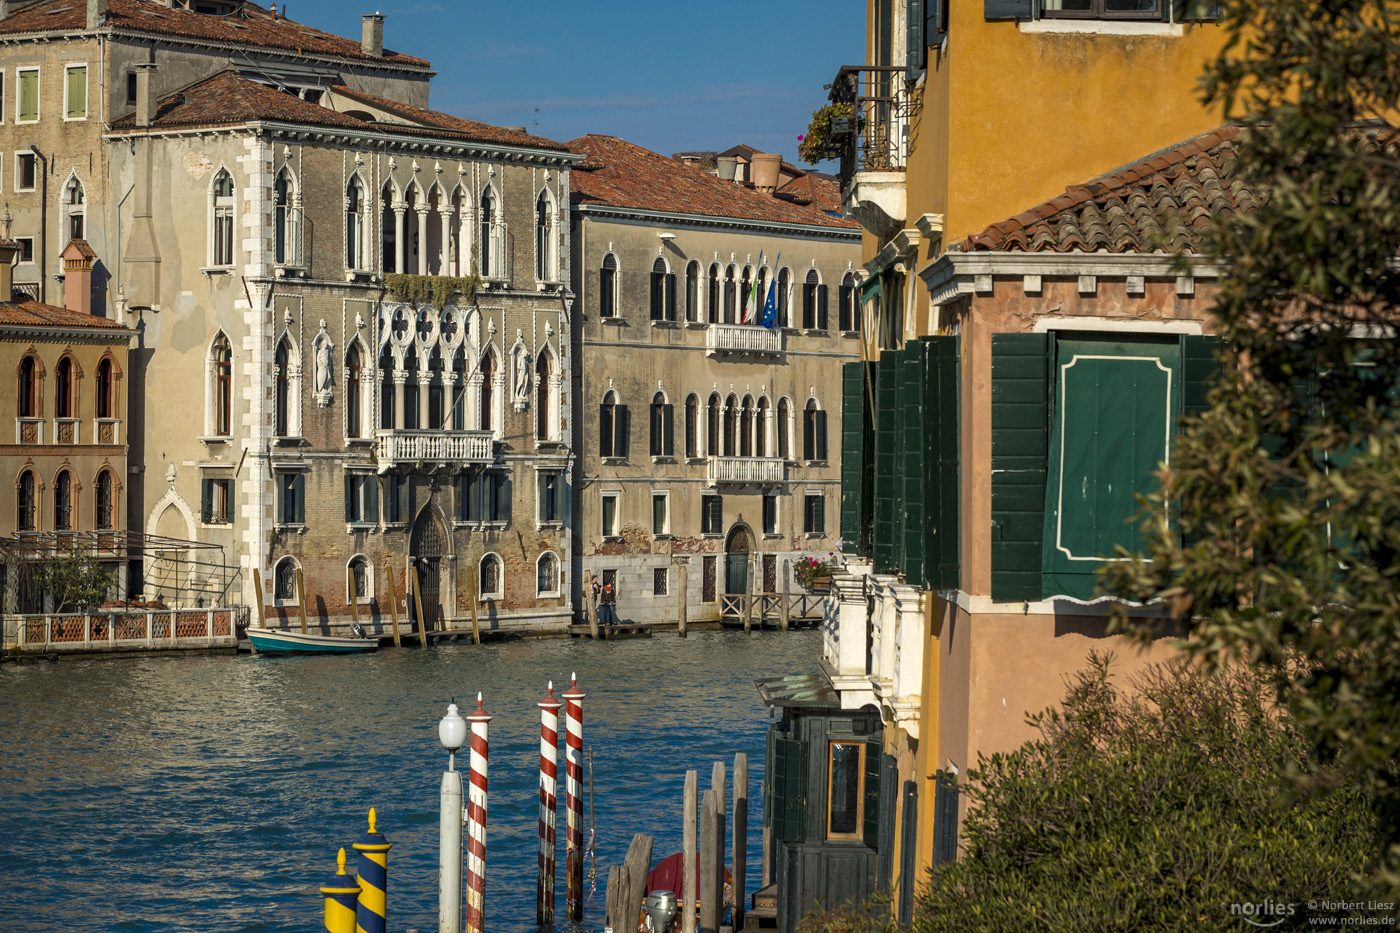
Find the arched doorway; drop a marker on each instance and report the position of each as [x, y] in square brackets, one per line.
[737, 549]
[426, 550]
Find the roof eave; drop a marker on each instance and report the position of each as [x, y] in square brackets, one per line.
[639, 214]
[955, 273]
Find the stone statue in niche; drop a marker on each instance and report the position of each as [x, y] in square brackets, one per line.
[321, 369]
[520, 386]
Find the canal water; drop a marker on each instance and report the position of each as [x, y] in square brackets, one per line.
[211, 793]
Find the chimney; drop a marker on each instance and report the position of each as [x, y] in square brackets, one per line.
[145, 94]
[272, 8]
[96, 13]
[372, 34]
[77, 276]
[9, 252]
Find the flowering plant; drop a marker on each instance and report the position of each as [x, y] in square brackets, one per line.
[821, 141]
[809, 569]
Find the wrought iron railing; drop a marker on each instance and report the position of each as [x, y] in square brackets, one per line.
[878, 138]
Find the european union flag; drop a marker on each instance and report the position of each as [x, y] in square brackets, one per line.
[770, 304]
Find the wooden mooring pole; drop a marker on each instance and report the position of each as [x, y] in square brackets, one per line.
[393, 603]
[682, 573]
[472, 595]
[354, 597]
[301, 600]
[257, 585]
[711, 869]
[787, 595]
[688, 890]
[741, 834]
[418, 605]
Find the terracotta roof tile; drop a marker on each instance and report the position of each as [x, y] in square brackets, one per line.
[1165, 202]
[229, 99]
[28, 313]
[619, 174]
[251, 26]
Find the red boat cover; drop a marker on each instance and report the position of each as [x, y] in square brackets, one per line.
[669, 875]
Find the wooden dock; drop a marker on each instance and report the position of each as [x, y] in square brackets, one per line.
[605, 632]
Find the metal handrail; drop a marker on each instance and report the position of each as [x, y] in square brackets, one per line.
[879, 141]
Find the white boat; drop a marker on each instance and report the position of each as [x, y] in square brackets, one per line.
[281, 641]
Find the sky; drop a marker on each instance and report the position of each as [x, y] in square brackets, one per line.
[666, 75]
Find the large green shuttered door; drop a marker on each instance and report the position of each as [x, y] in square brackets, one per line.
[1115, 407]
[1020, 394]
[855, 459]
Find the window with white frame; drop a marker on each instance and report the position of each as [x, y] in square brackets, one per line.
[285, 219]
[355, 258]
[491, 577]
[607, 287]
[546, 247]
[814, 514]
[547, 575]
[75, 92]
[360, 579]
[74, 207]
[551, 497]
[361, 498]
[612, 502]
[216, 501]
[291, 498]
[770, 515]
[2, 95]
[284, 579]
[660, 513]
[220, 386]
[27, 98]
[221, 220]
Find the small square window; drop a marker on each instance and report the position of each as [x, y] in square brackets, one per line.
[26, 248]
[770, 515]
[216, 506]
[814, 514]
[711, 515]
[131, 88]
[660, 580]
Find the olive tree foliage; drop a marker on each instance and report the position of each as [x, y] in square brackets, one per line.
[1284, 549]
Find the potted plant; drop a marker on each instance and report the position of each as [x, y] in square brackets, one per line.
[815, 573]
[825, 134]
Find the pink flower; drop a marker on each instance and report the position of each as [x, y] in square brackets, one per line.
[800, 138]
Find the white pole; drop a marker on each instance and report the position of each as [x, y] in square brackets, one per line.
[450, 854]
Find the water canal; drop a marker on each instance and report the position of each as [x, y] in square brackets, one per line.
[195, 794]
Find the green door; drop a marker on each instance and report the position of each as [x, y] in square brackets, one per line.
[1115, 403]
[736, 562]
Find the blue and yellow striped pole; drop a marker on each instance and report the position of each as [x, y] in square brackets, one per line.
[374, 879]
[341, 891]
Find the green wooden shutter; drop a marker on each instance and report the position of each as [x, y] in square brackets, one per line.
[870, 815]
[915, 44]
[945, 817]
[909, 479]
[371, 499]
[670, 296]
[941, 464]
[908, 843]
[299, 494]
[822, 319]
[29, 95]
[853, 454]
[76, 87]
[206, 503]
[1006, 9]
[623, 427]
[1116, 400]
[822, 449]
[1200, 369]
[349, 498]
[1197, 11]
[503, 497]
[794, 789]
[1020, 418]
[658, 280]
[885, 532]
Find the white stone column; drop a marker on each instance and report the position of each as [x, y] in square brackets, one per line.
[445, 247]
[400, 207]
[473, 401]
[422, 241]
[400, 379]
[425, 379]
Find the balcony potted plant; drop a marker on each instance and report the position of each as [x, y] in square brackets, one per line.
[826, 135]
[815, 573]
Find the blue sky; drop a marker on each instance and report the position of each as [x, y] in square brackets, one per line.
[665, 75]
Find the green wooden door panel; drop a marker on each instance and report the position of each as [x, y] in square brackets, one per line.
[910, 483]
[884, 534]
[1020, 418]
[1116, 404]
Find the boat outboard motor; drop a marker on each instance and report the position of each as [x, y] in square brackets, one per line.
[358, 629]
[660, 908]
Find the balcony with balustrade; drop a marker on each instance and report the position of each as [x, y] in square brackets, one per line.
[873, 144]
[740, 339]
[746, 471]
[435, 448]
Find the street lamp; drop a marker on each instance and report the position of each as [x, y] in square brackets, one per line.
[452, 732]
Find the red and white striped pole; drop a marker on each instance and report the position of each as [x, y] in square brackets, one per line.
[549, 788]
[476, 821]
[573, 803]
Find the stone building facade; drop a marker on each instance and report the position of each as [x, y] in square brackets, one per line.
[66, 460]
[708, 444]
[351, 312]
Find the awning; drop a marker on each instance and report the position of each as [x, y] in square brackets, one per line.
[814, 690]
[870, 289]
